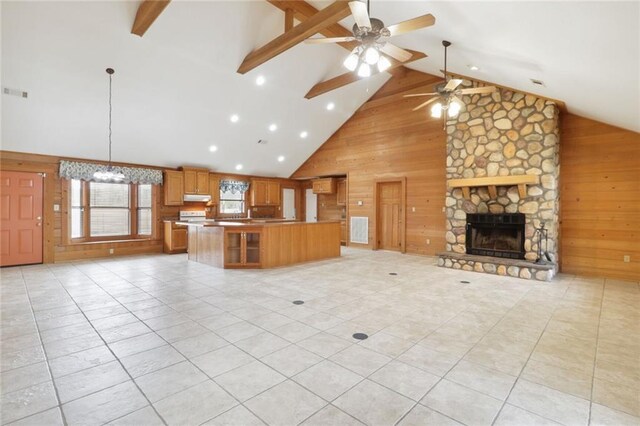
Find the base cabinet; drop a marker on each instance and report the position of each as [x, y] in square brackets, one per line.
[243, 248]
[175, 238]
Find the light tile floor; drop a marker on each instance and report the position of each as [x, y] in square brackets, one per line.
[159, 340]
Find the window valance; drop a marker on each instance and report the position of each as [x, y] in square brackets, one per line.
[85, 171]
[234, 186]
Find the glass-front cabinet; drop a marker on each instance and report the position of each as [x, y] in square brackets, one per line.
[242, 248]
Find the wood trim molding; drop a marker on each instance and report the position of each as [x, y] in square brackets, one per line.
[403, 237]
[350, 77]
[147, 13]
[492, 182]
[327, 16]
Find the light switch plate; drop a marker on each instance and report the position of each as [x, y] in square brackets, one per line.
[56, 207]
[360, 203]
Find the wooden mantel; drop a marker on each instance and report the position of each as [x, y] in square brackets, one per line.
[492, 182]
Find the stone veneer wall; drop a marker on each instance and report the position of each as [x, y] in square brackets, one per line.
[503, 134]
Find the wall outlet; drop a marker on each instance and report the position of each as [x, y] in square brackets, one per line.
[111, 251]
[413, 209]
[360, 203]
[626, 258]
[56, 207]
[428, 241]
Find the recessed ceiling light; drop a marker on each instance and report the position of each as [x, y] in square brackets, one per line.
[281, 158]
[213, 148]
[331, 106]
[304, 134]
[238, 166]
[273, 127]
[234, 118]
[473, 67]
[260, 80]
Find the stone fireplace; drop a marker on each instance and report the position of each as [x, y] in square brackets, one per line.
[496, 138]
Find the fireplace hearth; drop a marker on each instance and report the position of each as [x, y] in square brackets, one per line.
[497, 235]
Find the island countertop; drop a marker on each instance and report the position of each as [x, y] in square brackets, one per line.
[261, 243]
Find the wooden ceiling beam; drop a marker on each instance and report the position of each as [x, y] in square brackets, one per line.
[303, 11]
[327, 16]
[147, 13]
[350, 77]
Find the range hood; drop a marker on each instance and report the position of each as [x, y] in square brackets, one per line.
[197, 198]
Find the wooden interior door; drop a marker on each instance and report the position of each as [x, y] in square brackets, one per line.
[21, 218]
[389, 216]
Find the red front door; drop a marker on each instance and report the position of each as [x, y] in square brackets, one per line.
[21, 218]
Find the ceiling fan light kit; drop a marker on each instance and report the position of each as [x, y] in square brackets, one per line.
[372, 51]
[447, 93]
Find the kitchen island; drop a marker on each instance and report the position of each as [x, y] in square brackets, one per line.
[261, 243]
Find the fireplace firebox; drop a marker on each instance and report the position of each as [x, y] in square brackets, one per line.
[498, 235]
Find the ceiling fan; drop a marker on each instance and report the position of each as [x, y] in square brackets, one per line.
[447, 93]
[371, 32]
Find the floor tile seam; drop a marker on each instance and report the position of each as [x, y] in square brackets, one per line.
[119, 361]
[519, 377]
[44, 351]
[442, 377]
[595, 357]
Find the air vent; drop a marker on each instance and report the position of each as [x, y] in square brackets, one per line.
[359, 230]
[14, 92]
[537, 82]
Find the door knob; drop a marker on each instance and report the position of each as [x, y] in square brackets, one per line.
[39, 224]
[39, 218]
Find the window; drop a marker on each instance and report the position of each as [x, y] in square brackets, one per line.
[107, 211]
[231, 203]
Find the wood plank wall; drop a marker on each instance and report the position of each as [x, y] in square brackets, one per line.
[56, 248]
[599, 199]
[385, 139]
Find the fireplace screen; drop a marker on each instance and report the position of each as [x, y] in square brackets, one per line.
[498, 235]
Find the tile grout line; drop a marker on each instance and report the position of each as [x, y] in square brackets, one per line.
[525, 364]
[111, 351]
[595, 358]
[44, 351]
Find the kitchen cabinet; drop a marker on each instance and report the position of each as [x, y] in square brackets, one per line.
[214, 189]
[173, 188]
[341, 198]
[175, 238]
[265, 193]
[196, 181]
[243, 248]
[324, 186]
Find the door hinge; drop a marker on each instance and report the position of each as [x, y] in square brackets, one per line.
[42, 174]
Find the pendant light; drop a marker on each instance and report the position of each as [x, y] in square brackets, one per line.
[110, 174]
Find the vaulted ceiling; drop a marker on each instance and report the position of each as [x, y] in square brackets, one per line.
[176, 87]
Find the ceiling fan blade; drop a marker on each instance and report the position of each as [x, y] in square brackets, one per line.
[487, 89]
[452, 84]
[360, 14]
[411, 24]
[457, 99]
[424, 104]
[419, 94]
[396, 52]
[328, 40]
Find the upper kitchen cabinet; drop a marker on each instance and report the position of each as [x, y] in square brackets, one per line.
[265, 193]
[196, 181]
[173, 188]
[324, 186]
